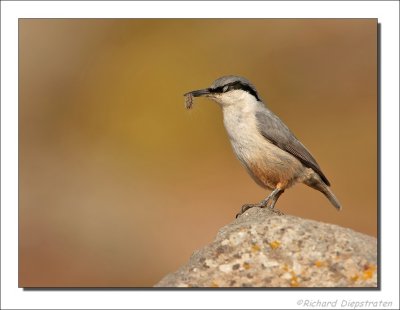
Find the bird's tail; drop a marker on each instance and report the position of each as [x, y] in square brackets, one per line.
[332, 198]
[324, 189]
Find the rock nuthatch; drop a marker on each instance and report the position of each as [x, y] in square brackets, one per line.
[270, 152]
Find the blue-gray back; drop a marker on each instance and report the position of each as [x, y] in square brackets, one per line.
[275, 131]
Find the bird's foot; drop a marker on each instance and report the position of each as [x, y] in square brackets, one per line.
[271, 207]
[259, 205]
[269, 203]
[276, 211]
[247, 207]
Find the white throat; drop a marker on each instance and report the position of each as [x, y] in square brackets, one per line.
[239, 111]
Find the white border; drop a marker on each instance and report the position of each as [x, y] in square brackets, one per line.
[14, 298]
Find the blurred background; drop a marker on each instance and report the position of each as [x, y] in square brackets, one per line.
[119, 184]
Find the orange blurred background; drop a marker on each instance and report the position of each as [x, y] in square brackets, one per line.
[119, 184]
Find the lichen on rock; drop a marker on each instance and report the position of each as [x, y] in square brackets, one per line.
[263, 249]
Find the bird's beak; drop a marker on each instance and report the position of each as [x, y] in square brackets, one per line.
[199, 93]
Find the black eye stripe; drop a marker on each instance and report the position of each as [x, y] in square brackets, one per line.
[236, 85]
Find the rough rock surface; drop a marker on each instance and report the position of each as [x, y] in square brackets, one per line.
[263, 249]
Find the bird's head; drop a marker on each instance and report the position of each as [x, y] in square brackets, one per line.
[229, 90]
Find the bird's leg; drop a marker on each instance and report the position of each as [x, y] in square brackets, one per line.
[273, 198]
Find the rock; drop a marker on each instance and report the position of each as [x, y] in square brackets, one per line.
[263, 249]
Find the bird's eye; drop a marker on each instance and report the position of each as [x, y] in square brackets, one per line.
[225, 88]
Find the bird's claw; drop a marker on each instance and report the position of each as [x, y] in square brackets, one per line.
[276, 211]
[258, 205]
[247, 207]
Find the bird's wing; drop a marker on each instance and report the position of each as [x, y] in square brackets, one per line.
[275, 131]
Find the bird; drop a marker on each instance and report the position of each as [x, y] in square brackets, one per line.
[265, 146]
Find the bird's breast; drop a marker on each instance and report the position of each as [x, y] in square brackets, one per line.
[266, 162]
[241, 126]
